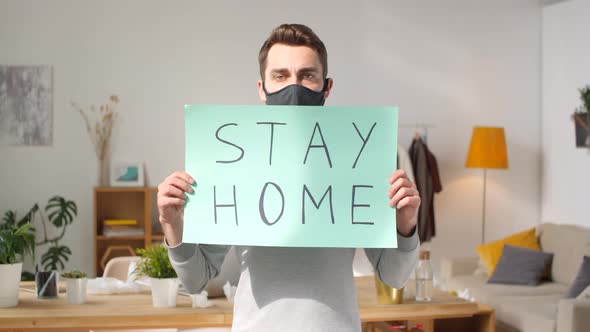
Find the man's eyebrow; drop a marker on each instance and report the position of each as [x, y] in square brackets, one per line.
[279, 71]
[309, 70]
[285, 71]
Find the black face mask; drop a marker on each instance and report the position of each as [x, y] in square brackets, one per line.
[295, 94]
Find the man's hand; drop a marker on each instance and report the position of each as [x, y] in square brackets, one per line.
[171, 199]
[405, 197]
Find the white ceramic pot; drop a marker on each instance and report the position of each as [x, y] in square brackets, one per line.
[10, 276]
[76, 290]
[164, 292]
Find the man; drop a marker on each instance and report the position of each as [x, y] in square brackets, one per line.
[291, 289]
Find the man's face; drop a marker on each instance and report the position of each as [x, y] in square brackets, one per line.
[286, 65]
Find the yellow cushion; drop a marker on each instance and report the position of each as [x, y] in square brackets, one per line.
[490, 252]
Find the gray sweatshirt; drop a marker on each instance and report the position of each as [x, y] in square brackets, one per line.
[294, 289]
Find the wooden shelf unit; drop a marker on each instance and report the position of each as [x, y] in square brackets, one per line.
[130, 237]
[137, 203]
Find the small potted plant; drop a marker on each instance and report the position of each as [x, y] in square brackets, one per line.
[15, 243]
[582, 118]
[75, 286]
[155, 264]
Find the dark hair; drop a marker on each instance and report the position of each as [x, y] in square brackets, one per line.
[293, 35]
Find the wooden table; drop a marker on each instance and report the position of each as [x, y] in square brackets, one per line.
[135, 311]
[445, 312]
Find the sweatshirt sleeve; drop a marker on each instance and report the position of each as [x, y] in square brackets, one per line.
[394, 266]
[196, 264]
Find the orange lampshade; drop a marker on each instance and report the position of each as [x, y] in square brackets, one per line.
[487, 148]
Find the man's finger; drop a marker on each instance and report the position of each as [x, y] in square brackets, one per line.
[171, 191]
[401, 182]
[400, 173]
[402, 193]
[180, 184]
[413, 201]
[184, 176]
[170, 201]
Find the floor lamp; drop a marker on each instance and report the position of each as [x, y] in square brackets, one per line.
[487, 150]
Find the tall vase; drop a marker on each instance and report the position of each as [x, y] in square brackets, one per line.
[582, 127]
[103, 172]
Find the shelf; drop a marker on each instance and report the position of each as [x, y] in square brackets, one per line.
[130, 237]
[159, 237]
[136, 203]
[121, 189]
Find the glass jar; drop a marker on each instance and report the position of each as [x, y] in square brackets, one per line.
[423, 276]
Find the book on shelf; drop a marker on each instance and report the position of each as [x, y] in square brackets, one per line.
[121, 230]
[120, 222]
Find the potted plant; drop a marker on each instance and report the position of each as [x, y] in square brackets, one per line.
[15, 243]
[581, 118]
[75, 286]
[60, 213]
[155, 264]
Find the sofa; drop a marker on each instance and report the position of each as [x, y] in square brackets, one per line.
[541, 308]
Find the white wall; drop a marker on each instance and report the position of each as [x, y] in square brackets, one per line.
[451, 64]
[566, 50]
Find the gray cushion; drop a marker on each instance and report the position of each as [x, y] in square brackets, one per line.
[520, 266]
[581, 281]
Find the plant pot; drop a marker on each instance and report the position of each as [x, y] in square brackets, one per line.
[164, 292]
[76, 290]
[46, 284]
[582, 126]
[10, 276]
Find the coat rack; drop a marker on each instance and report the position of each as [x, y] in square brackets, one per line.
[418, 127]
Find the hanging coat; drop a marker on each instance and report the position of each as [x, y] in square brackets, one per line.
[404, 162]
[427, 182]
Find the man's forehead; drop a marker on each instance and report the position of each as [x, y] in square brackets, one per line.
[281, 56]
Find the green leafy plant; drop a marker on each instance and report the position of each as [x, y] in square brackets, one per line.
[581, 116]
[10, 219]
[585, 98]
[15, 243]
[74, 274]
[55, 257]
[155, 263]
[60, 213]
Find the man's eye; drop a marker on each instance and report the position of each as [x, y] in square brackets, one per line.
[279, 78]
[309, 76]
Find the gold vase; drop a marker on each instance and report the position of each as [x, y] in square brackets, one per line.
[387, 294]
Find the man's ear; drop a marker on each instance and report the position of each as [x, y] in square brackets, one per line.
[329, 87]
[261, 93]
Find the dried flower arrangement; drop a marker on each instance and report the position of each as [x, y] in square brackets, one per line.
[104, 120]
[99, 125]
